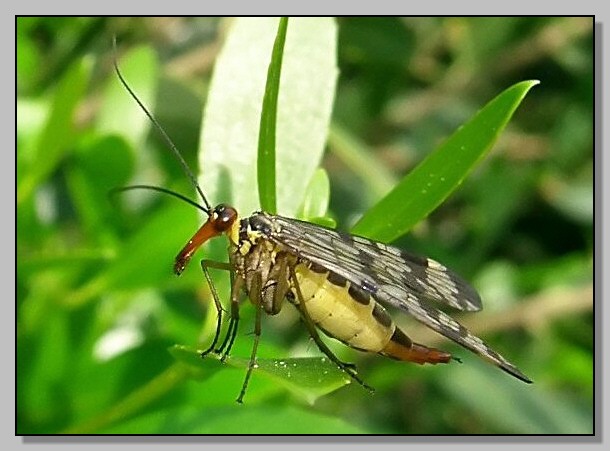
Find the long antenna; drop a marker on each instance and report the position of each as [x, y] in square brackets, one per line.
[164, 135]
[160, 190]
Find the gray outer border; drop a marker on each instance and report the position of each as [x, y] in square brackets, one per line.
[263, 7]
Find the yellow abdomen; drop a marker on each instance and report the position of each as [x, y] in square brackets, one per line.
[346, 313]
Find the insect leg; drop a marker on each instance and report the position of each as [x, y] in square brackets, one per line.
[255, 293]
[227, 344]
[283, 282]
[313, 332]
[205, 265]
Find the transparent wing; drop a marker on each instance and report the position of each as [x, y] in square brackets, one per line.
[392, 276]
[372, 264]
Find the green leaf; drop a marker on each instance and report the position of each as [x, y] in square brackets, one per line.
[142, 261]
[229, 136]
[119, 113]
[435, 178]
[236, 419]
[266, 136]
[57, 134]
[307, 377]
[360, 159]
[317, 196]
[512, 407]
[104, 162]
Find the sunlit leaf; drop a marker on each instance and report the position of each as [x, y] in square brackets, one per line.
[229, 137]
[426, 186]
[307, 377]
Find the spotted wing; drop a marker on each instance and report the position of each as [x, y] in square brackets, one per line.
[371, 263]
[390, 275]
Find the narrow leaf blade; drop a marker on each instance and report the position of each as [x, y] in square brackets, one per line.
[229, 137]
[435, 178]
[266, 134]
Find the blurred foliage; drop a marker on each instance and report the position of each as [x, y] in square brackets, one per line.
[99, 310]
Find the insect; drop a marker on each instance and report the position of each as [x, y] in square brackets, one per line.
[340, 284]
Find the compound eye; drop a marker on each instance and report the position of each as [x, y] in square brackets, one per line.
[225, 216]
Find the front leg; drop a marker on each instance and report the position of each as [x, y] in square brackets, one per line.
[236, 287]
[205, 266]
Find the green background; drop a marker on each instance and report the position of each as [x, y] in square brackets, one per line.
[99, 310]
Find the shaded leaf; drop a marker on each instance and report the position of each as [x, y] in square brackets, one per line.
[58, 132]
[237, 419]
[514, 407]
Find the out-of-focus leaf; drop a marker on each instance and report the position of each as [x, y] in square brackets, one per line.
[119, 113]
[57, 134]
[514, 407]
[235, 420]
[147, 258]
